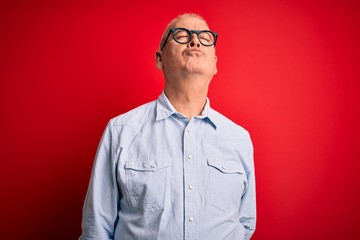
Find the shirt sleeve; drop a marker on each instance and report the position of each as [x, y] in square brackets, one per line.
[101, 203]
[248, 201]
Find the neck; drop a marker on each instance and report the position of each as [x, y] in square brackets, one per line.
[188, 98]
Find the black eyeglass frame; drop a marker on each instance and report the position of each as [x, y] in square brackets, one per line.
[190, 32]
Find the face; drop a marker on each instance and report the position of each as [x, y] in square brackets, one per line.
[178, 60]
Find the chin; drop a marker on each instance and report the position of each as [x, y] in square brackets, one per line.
[195, 67]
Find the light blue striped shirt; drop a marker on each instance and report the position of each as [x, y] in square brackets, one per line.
[159, 175]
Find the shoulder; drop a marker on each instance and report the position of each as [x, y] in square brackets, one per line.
[228, 127]
[134, 119]
[122, 128]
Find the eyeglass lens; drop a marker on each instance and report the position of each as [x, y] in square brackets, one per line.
[184, 36]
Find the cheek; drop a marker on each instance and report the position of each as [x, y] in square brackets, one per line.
[170, 61]
[173, 57]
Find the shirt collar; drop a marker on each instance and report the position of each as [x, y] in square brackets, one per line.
[165, 109]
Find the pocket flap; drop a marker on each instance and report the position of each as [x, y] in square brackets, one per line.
[226, 166]
[149, 164]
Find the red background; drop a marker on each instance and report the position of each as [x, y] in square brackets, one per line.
[288, 71]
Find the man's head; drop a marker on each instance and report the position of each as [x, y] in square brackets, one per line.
[179, 56]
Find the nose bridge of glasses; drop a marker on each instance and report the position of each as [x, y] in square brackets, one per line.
[194, 35]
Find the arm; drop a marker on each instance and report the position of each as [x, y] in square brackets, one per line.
[101, 202]
[248, 200]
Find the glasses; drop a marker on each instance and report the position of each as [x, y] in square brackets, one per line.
[183, 36]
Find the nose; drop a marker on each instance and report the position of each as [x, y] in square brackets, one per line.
[194, 42]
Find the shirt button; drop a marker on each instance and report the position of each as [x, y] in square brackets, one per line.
[190, 156]
[153, 165]
[191, 219]
[223, 167]
[191, 187]
[188, 130]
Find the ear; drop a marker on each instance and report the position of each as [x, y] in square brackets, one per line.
[215, 65]
[158, 59]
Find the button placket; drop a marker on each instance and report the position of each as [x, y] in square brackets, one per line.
[190, 178]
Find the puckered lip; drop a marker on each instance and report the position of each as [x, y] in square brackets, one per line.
[194, 50]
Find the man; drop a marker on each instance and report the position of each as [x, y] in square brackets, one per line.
[174, 168]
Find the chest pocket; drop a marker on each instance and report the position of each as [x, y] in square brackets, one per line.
[227, 183]
[146, 181]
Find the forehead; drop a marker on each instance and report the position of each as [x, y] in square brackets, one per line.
[193, 23]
